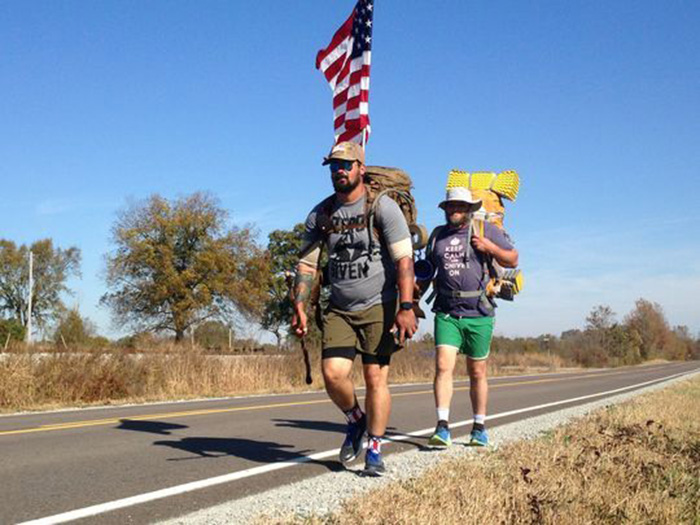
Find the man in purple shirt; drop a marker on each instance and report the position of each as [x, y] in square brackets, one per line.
[460, 253]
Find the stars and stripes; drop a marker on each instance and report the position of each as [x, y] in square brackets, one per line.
[345, 63]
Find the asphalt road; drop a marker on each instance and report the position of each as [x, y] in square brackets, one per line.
[144, 463]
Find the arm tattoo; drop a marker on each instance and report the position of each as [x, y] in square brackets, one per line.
[302, 287]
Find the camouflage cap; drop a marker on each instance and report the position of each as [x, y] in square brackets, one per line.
[345, 151]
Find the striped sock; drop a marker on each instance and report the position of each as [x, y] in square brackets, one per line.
[375, 443]
[354, 414]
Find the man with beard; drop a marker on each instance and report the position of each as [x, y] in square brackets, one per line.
[464, 316]
[362, 315]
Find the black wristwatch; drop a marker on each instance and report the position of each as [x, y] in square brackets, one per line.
[406, 306]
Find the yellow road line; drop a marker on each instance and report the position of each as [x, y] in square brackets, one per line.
[170, 415]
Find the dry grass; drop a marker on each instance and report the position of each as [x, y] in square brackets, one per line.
[638, 462]
[31, 379]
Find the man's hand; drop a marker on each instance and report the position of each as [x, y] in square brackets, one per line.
[299, 321]
[506, 258]
[405, 324]
[483, 244]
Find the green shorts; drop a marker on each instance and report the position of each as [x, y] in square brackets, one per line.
[470, 335]
[365, 331]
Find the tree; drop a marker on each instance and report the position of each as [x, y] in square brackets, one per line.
[612, 342]
[599, 324]
[212, 334]
[178, 264]
[52, 267]
[283, 251]
[600, 318]
[680, 345]
[10, 330]
[649, 321]
[72, 329]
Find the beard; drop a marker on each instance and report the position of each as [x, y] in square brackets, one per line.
[457, 221]
[345, 187]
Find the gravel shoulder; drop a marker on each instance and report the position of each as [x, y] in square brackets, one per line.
[323, 494]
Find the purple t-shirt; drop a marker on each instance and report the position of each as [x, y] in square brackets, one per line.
[460, 267]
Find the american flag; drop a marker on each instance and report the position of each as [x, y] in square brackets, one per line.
[345, 64]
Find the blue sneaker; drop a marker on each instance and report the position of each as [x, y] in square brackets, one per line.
[374, 465]
[441, 438]
[479, 438]
[352, 446]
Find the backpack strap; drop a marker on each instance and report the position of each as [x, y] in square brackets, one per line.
[429, 249]
[323, 223]
[460, 294]
[489, 271]
[371, 207]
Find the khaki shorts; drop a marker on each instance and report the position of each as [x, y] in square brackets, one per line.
[365, 331]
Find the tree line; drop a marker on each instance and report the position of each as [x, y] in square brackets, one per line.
[179, 266]
[641, 335]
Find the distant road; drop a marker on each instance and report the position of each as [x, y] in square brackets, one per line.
[144, 463]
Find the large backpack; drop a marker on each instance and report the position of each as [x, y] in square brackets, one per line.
[396, 184]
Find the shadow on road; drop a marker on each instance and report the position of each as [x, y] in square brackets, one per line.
[321, 426]
[154, 427]
[248, 449]
[339, 428]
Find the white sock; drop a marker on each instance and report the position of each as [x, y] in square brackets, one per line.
[443, 414]
[479, 419]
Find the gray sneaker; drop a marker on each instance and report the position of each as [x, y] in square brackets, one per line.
[352, 446]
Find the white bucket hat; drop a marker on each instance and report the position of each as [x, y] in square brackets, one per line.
[461, 194]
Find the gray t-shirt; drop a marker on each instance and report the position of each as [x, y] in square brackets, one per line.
[360, 279]
[460, 267]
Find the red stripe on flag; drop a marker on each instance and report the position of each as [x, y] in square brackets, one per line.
[340, 35]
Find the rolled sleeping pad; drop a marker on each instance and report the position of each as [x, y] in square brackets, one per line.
[423, 269]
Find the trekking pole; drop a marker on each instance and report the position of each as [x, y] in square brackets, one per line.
[307, 361]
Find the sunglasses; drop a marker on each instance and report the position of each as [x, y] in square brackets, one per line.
[337, 165]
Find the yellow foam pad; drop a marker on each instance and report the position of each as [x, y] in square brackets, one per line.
[506, 184]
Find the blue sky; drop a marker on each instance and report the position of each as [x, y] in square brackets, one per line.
[595, 104]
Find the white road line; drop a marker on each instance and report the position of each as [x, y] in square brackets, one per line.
[234, 476]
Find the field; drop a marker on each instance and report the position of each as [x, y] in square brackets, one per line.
[32, 379]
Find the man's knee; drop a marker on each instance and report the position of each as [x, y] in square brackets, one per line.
[375, 377]
[477, 370]
[443, 370]
[445, 358]
[336, 370]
